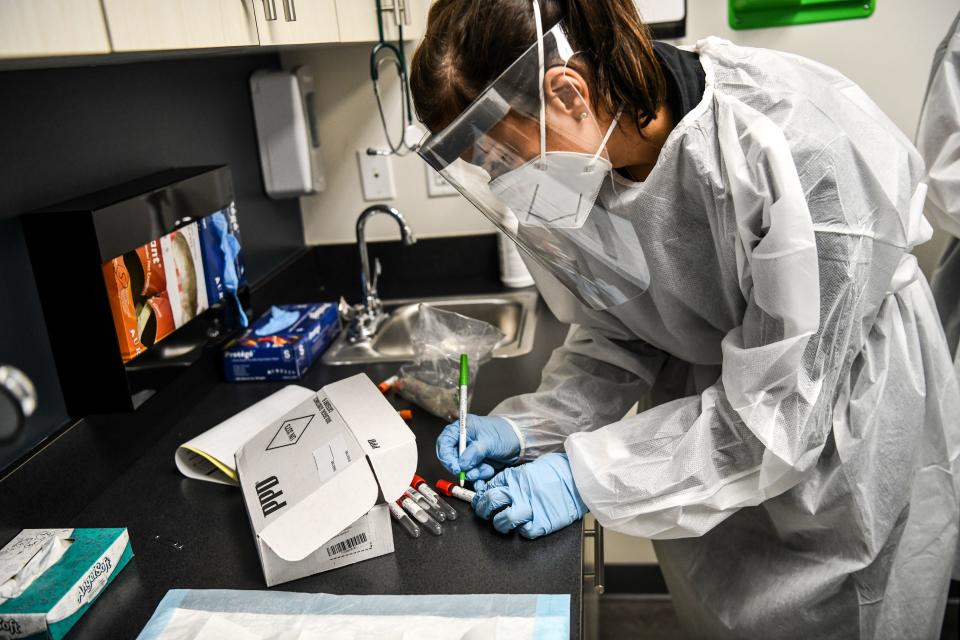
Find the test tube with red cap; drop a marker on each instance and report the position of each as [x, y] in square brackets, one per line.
[426, 505]
[404, 520]
[439, 503]
[452, 490]
[420, 515]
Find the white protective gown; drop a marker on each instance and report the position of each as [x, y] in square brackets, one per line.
[938, 140]
[802, 481]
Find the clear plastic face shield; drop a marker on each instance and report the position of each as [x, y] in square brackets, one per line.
[531, 156]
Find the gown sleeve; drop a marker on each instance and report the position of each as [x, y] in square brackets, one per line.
[591, 381]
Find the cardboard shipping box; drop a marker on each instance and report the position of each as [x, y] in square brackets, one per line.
[316, 482]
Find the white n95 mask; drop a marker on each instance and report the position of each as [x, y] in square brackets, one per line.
[556, 190]
[559, 188]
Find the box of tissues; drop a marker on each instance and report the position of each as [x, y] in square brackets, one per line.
[50, 577]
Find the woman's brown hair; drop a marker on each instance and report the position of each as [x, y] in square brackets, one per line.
[469, 43]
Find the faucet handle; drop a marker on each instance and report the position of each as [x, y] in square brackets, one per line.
[346, 311]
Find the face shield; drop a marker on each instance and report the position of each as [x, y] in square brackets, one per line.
[537, 168]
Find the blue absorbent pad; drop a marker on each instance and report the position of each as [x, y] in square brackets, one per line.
[286, 354]
[550, 613]
[60, 596]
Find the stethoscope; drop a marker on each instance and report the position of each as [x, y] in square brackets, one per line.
[388, 53]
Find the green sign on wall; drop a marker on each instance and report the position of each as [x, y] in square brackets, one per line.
[755, 14]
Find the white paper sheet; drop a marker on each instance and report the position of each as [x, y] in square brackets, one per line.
[209, 456]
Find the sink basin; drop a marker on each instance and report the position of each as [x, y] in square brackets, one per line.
[514, 314]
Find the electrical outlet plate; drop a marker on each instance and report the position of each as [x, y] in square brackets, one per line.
[376, 176]
[437, 185]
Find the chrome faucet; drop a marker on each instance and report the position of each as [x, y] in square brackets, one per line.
[366, 318]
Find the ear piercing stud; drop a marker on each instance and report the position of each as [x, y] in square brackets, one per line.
[584, 115]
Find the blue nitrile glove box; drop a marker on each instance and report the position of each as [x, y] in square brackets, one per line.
[282, 353]
[60, 595]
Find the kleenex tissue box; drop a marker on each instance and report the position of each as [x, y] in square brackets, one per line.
[282, 344]
[50, 577]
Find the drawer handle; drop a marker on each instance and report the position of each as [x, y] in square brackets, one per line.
[18, 399]
[270, 10]
[290, 10]
[598, 575]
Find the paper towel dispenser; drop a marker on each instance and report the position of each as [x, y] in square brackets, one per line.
[285, 113]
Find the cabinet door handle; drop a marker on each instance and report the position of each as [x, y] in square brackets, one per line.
[270, 10]
[399, 10]
[405, 12]
[290, 10]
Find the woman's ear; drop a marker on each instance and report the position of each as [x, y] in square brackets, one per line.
[566, 89]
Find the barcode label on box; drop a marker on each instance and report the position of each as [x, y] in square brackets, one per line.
[346, 545]
[357, 542]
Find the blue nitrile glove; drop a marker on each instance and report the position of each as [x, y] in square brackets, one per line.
[540, 497]
[489, 439]
[230, 248]
[280, 319]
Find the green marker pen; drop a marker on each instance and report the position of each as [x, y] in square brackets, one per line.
[464, 380]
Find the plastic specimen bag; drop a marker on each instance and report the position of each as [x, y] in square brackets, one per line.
[439, 337]
[274, 615]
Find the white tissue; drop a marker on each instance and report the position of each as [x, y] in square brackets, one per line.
[27, 556]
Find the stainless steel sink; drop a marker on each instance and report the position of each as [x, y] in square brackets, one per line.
[515, 314]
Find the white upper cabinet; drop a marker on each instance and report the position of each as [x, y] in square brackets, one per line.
[40, 28]
[358, 19]
[158, 25]
[283, 22]
[51, 28]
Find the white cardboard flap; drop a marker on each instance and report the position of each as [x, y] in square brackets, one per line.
[385, 438]
[318, 517]
[369, 537]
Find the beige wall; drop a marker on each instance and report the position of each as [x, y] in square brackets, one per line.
[348, 121]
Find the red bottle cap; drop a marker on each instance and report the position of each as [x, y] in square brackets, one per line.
[445, 487]
[417, 481]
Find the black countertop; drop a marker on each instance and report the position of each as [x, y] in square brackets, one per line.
[152, 499]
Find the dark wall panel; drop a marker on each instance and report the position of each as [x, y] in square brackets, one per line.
[66, 132]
